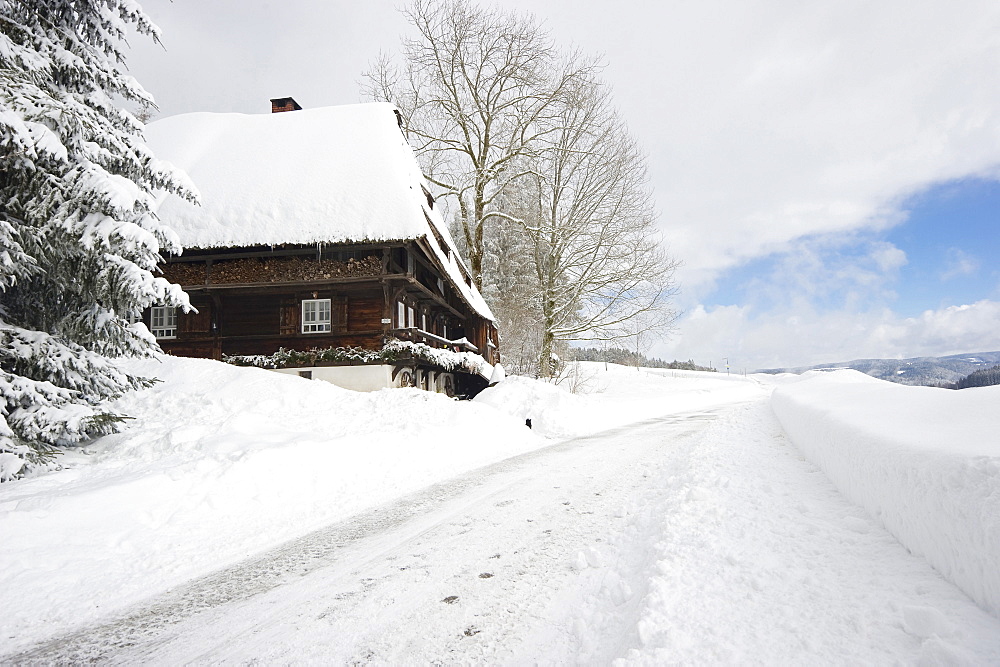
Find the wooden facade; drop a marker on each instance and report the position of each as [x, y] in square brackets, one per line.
[250, 301]
[278, 255]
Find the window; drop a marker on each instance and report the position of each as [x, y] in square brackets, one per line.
[163, 321]
[315, 315]
[410, 317]
[400, 314]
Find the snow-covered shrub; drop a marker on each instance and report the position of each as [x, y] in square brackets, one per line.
[284, 358]
[394, 350]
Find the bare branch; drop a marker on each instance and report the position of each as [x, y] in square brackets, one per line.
[550, 190]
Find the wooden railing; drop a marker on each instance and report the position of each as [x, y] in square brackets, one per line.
[417, 335]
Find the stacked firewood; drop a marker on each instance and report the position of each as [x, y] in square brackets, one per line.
[271, 270]
[292, 269]
[183, 273]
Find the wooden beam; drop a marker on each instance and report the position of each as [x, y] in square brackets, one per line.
[303, 337]
[270, 287]
[217, 254]
[441, 301]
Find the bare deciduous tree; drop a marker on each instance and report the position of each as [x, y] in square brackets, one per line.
[552, 204]
[476, 90]
[601, 271]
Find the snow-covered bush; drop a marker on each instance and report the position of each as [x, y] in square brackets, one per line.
[394, 350]
[284, 358]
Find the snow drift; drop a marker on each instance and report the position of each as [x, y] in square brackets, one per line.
[600, 396]
[924, 461]
[221, 462]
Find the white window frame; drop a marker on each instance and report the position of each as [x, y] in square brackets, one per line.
[163, 321]
[316, 316]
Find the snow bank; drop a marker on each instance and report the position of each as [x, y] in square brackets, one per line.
[924, 461]
[610, 395]
[222, 462]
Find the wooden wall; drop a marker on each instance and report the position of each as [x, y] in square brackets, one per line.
[257, 322]
[243, 318]
[365, 312]
[250, 315]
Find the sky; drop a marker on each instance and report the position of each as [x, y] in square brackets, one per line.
[828, 173]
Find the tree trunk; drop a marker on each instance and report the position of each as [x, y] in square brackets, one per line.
[545, 356]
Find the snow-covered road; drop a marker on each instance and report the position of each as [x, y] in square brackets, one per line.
[695, 538]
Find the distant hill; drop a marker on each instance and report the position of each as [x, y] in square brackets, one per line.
[617, 355]
[929, 371]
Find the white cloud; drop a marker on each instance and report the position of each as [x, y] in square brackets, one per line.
[794, 336]
[959, 263]
[768, 122]
[888, 257]
[828, 271]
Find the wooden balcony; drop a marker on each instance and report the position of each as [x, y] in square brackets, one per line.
[416, 335]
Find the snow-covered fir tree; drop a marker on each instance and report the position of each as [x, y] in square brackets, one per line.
[984, 377]
[78, 241]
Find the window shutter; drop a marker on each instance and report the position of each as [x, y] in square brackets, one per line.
[193, 323]
[289, 323]
[338, 314]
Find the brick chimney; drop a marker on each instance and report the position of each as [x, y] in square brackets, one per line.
[280, 104]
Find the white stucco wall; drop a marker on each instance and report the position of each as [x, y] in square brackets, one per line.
[358, 378]
[370, 378]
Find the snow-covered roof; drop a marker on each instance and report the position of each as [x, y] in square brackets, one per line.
[329, 175]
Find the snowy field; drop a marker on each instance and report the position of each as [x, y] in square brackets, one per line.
[709, 545]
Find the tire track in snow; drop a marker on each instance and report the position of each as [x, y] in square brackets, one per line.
[142, 629]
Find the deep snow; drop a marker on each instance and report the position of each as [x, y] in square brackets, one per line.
[924, 461]
[222, 463]
[282, 178]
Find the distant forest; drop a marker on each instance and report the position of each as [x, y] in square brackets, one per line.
[616, 355]
[986, 377]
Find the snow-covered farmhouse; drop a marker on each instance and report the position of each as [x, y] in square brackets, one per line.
[318, 250]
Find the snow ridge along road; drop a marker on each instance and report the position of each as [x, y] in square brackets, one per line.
[702, 537]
